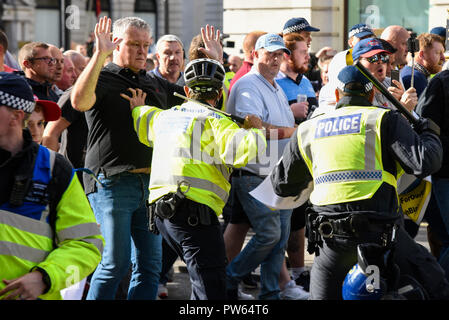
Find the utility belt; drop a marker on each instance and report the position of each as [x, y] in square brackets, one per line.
[319, 227]
[178, 209]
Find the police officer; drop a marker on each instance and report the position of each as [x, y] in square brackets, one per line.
[194, 151]
[49, 238]
[354, 155]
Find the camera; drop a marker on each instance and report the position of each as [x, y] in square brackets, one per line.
[412, 44]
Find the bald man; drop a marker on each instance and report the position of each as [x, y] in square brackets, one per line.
[59, 66]
[397, 36]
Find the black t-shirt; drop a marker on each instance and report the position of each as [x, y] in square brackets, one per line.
[112, 143]
[74, 139]
[43, 90]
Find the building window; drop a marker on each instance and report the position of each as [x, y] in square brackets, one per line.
[46, 23]
[379, 14]
[146, 10]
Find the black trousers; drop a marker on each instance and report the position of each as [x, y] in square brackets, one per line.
[201, 247]
[339, 255]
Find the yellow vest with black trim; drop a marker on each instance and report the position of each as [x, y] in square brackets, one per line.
[342, 150]
[193, 144]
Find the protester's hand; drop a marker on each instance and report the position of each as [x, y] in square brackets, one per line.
[252, 121]
[397, 91]
[410, 99]
[137, 98]
[103, 37]
[300, 109]
[212, 43]
[28, 287]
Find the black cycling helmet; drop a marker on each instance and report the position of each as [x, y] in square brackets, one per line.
[204, 75]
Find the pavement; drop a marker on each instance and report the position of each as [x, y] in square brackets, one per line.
[180, 289]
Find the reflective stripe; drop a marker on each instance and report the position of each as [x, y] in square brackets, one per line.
[342, 176]
[96, 242]
[149, 116]
[25, 224]
[204, 157]
[370, 139]
[79, 231]
[201, 184]
[22, 252]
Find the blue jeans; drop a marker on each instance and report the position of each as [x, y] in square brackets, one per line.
[440, 189]
[119, 206]
[267, 247]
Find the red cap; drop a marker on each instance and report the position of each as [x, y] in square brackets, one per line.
[51, 109]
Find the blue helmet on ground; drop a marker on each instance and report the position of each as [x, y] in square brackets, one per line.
[358, 287]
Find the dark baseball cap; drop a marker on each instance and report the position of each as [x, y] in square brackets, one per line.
[15, 92]
[297, 25]
[360, 30]
[367, 48]
[351, 74]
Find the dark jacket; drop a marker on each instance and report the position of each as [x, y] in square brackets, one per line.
[434, 104]
[419, 155]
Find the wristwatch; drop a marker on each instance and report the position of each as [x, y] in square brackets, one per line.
[45, 278]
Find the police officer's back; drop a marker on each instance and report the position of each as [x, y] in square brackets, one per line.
[354, 156]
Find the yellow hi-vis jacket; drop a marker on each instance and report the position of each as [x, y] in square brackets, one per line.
[193, 144]
[26, 236]
[342, 150]
[227, 83]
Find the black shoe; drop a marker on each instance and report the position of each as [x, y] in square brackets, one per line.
[304, 280]
[249, 282]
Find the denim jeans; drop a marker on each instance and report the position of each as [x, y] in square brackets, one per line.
[119, 206]
[440, 189]
[267, 247]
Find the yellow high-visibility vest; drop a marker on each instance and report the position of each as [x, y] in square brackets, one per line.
[343, 152]
[195, 145]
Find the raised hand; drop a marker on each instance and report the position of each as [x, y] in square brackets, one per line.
[103, 37]
[212, 43]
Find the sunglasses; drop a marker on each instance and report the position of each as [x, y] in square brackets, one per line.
[378, 57]
[50, 61]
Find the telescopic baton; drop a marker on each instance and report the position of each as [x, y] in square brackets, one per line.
[233, 117]
[387, 93]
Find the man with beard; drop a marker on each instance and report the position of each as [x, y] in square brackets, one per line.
[429, 60]
[291, 76]
[170, 54]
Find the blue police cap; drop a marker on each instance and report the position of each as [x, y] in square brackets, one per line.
[15, 92]
[350, 74]
[297, 25]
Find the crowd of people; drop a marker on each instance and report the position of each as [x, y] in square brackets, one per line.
[113, 162]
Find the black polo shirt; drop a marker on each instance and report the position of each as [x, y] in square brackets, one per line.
[112, 143]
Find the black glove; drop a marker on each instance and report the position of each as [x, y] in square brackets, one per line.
[424, 124]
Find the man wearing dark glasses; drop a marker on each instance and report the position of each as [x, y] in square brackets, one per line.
[373, 55]
[39, 67]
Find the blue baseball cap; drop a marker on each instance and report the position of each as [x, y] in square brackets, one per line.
[350, 74]
[297, 25]
[367, 48]
[360, 30]
[441, 31]
[271, 42]
[16, 93]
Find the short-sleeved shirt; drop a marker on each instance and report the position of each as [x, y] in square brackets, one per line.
[293, 87]
[112, 143]
[253, 94]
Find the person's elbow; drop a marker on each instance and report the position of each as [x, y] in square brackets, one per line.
[82, 102]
